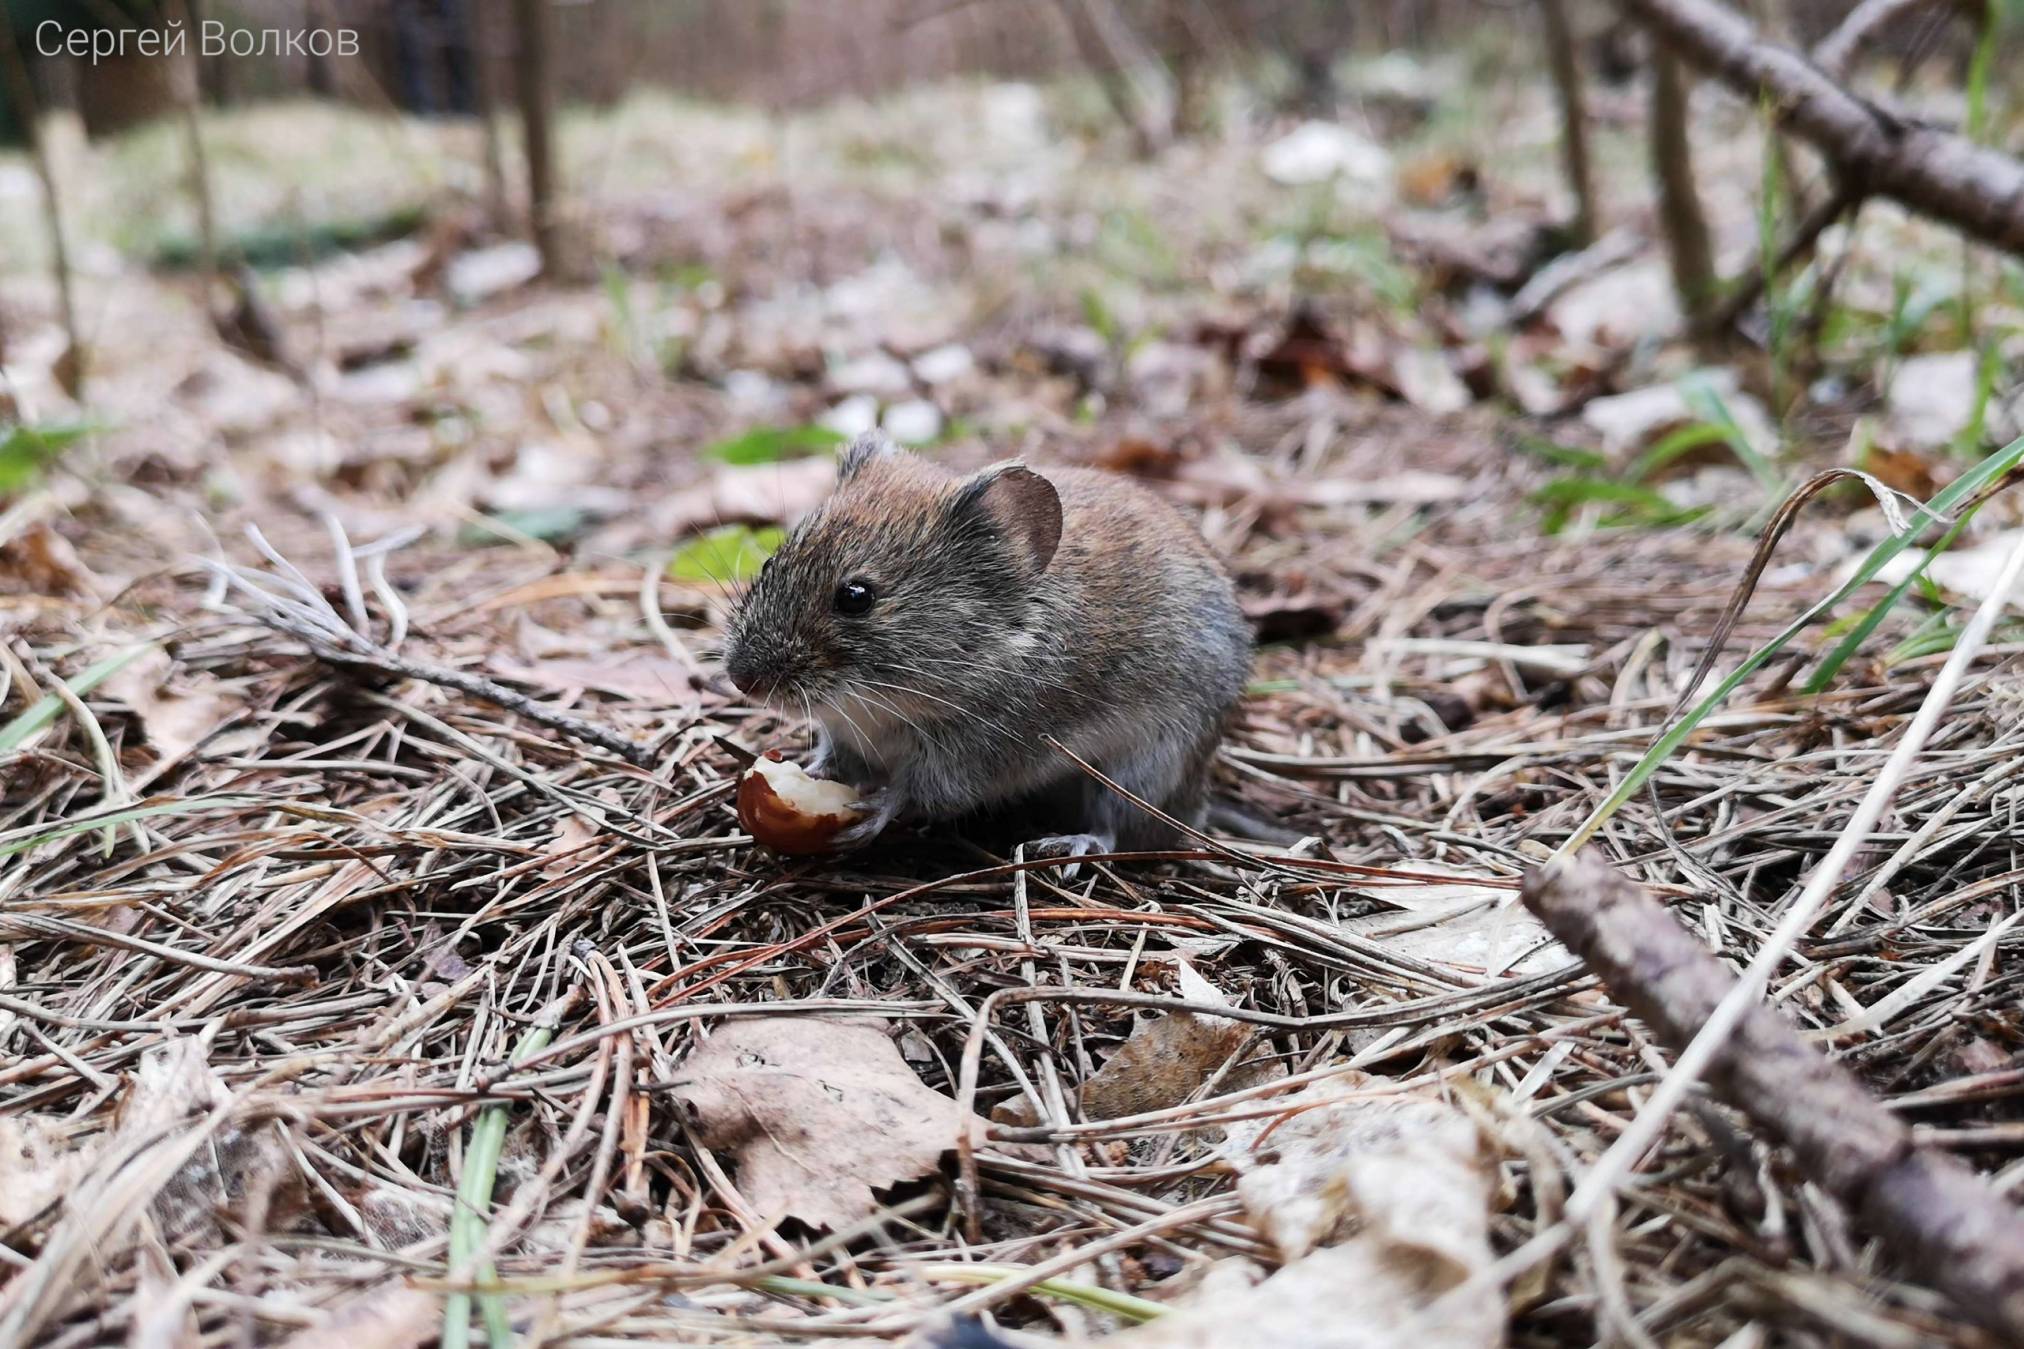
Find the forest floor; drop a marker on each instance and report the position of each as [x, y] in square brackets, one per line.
[292, 955]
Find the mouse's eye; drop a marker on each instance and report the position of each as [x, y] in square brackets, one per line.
[855, 597]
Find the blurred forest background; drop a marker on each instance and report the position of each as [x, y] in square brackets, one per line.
[383, 435]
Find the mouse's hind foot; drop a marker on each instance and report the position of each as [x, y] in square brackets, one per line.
[1070, 845]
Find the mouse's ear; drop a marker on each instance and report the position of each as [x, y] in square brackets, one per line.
[1019, 505]
[867, 447]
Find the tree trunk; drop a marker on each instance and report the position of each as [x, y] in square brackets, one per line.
[71, 368]
[485, 95]
[1681, 219]
[1565, 58]
[185, 81]
[531, 47]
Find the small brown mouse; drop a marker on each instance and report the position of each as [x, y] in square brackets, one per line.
[936, 627]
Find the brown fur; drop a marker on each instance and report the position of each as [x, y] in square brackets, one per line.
[1001, 617]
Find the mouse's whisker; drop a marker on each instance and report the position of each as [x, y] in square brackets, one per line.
[900, 716]
[956, 707]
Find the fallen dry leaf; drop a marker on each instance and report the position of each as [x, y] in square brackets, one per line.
[1469, 927]
[1166, 1058]
[1906, 471]
[390, 1316]
[1379, 1204]
[818, 1113]
[175, 715]
[40, 561]
[172, 1089]
[39, 1163]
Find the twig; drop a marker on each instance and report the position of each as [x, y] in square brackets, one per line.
[1977, 190]
[1711, 1040]
[1834, 52]
[477, 686]
[1932, 1212]
[1839, 203]
[302, 613]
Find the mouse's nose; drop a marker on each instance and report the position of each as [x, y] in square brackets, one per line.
[750, 675]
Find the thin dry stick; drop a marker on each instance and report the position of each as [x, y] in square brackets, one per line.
[15, 72]
[1932, 1212]
[1834, 52]
[301, 612]
[1693, 1062]
[1565, 59]
[1841, 202]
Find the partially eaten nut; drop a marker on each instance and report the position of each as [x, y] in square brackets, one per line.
[787, 810]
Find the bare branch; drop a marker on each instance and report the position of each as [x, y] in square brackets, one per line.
[1933, 1213]
[1838, 49]
[1975, 189]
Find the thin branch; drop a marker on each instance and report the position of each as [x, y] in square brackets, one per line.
[1977, 190]
[1711, 1041]
[1841, 202]
[1930, 1211]
[302, 613]
[1838, 49]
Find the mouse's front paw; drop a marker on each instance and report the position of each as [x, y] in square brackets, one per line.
[883, 807]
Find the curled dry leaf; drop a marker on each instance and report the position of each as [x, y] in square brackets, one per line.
[174, 716]
[39, 1163]
[1380, 1205]
[1473, 928]
[1166, 1058]
[818, 1114]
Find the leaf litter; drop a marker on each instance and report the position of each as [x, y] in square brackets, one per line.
[342, 896]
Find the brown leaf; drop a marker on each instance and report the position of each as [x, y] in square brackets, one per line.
[1431, 177]
[1165, 1059]
[1907, 471]
[175, 716]
[818, 1114]
[572, 834]
[1380, 1205]
[1290, 608]
[40, 561]
[1144, 458]
[1310, 352]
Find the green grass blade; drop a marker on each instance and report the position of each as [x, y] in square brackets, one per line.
[21, 840]
[1853, 639]
[45, 712]
[1943, 502]
[1707, 403]
[471, 1216]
